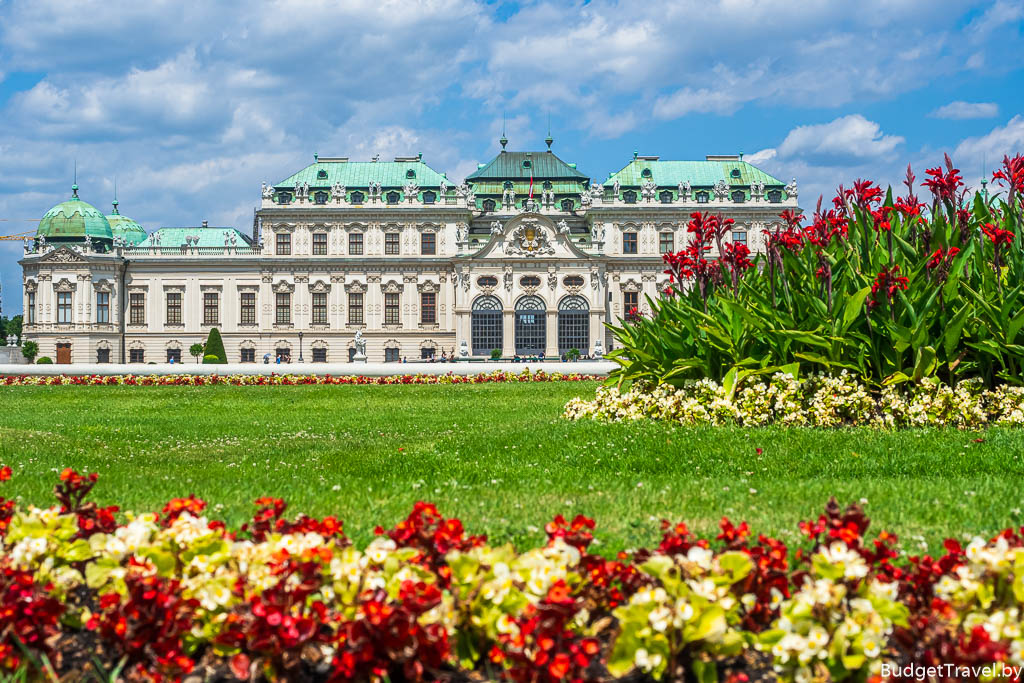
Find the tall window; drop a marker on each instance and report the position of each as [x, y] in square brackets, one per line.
[666, 243]
[136, 356]
[319, 308]
[63, 307]
[102, 355]
[211, 308]
[573, 324]
[486, 325]
[391, 356]
[103, 307]
[283, 308]
[31, 308]
[355, 308]
[392, 313]
[137, 308]
[248, 355]
[174, 356]
[428, 308]
[629, 243]
[319, 244]
[355, 244]
[319, 355]
[428, 244]
[740, 237]
[248, 308]
[173, 308]
[630, 303]
[284, 244]
[391, 243]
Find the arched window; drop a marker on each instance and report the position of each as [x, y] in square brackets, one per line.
[629, 196]
[531, 326]
[573, 324]
[567, 205]
[320, 197]
[702, 197]
[429, 197]
[284, 197]
[738, 196]
[486, 325]
[392, 197]
[774, 196]
[665, 196]
[357, 197]
[488, 205]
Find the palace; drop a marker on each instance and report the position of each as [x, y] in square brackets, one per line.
[526, 256]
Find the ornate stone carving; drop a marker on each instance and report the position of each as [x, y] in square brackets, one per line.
[266, 192]
[647, 188]
[684, 190]
[355, 287]
[62, 255]
[338, 192]
[552, 280]
[530, 239]
[508, 198]
[65, 285]
[461, 232]
[632, 285]
[508, 278]
[411, 190]
[283, 287]
[791, 189]
[392, 287]
[427, 286]
[496, 228]
[597, 232]
[563, 227]
[319, 287]
[721, 189]
[757, 190]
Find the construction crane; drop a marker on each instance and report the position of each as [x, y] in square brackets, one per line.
[19, 235]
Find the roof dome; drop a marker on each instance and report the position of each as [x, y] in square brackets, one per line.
[126, 228]
[74, 219]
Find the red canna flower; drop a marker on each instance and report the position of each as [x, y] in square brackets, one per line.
[944, 186]
[998, 236]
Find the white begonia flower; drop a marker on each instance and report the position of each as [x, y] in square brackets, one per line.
[700, 556]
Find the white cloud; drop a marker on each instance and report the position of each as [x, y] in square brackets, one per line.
[966, 110]
[990, 148]
[846, 138]
[761, 157]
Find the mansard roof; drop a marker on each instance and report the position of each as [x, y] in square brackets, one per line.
[324, 172]
[510, 166]
[208, 237]
[730, 168]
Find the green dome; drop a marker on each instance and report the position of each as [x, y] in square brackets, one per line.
[74, 220]
[126, 228]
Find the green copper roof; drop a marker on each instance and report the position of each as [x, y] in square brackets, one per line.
[510, 166]
[122, 226]
[522, 187]
[208, 237]
[359, 174]
[74, 219]
[697, 173]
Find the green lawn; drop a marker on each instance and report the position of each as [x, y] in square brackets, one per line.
[498, 456]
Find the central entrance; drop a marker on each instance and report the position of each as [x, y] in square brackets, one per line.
[63, 354]
[531, 326]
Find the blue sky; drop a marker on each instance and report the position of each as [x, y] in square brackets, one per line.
[192, 106]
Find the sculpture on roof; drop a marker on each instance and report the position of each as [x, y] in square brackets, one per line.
[684, 190]
[563, 227]
[791, 189]
[721, 189]
[757, 190]
[615, 189]
[586, 199]
[443, 187]
[88, 243]
[462, 190]
[508, 197]
[647, 188]
[597, 232]
[412, 190]
[496, 228]
[338, 192]
[548, 197]
[374, 188]
[267, 192]
[460, 232]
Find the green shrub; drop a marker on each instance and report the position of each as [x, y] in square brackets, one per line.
[892, 290]
[214, 347]
[196, 350]
[210, 359]
[495, 354]
[29, 350]
[44, 360]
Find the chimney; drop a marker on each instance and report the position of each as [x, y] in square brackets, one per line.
[205, 224]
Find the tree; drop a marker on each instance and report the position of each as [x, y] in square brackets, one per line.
[215, 346]
[30, 350]
[9, 326]
[196, 350]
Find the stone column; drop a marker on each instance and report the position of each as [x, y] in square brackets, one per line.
[508, 347]
[551, 329]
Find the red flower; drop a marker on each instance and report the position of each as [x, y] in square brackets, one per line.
[5, 473]
[1012, 174]
[998, 236]
[939, 256]
[944, 186]
[889, 281]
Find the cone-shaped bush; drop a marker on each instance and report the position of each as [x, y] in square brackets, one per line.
[214, 347]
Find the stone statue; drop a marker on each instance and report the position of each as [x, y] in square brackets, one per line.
[374, 189]
[721, 190]
[460, 232]
[684, 190]
[463, 349]
[305, 190]
[757, 190]
[598, 349]
[360, 345]
[156, 239]
[647, 188]
[12, 340]
[470, 199]
[412, 190]
[597, 234]
[267, 192]
[586, 199]
[462, 190]
[508, 197]
[234, 238]
[443, 188]
[508, 278]
[88, 243]
[338, 192]
[563, 227]
[496, 228]
[791, 189]
[615, 189]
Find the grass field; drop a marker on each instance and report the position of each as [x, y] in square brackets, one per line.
[499, 456]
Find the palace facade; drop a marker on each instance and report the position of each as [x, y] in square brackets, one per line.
[417, 263]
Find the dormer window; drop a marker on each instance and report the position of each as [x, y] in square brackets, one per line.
[357, 197]
[646, 173]
[284, 197]
[488, 205]
[392, 197]
[567, 205]
[429, 197]
[735, 173]
[775, 196]
[547, 184]
[321, 174]
[629, 196]
[738, 196]
[320, 198]
[527, 164]
[702, 197]
[410, 173]
[665, 196]
[507, 185]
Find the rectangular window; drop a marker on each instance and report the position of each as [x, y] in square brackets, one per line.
[31, 308]
[174, 355]
[103, 307]
[630, 303]
[392, 311]
[319, 308]
[284, 244]
[64, 307]
[248, 355]
[391, 356]
[248, 308]
[319, 244]
[666, 243]
[355, 308]
[391, 243]
[740, 237]
[136, 356]
[173, 308]
[428, 244]
[283, 308]
[211, 308]
[428, 308]
[319, 355]
[137, 308]
[102, 355]
[355, 244]
[629, 243]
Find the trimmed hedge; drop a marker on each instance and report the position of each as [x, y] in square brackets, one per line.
[214, 347]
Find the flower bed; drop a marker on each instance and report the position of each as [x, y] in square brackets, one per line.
[817, 401]
[289, 380]
[170, 594]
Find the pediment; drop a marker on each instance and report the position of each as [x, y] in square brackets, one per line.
[63, 255]
[529, 236]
